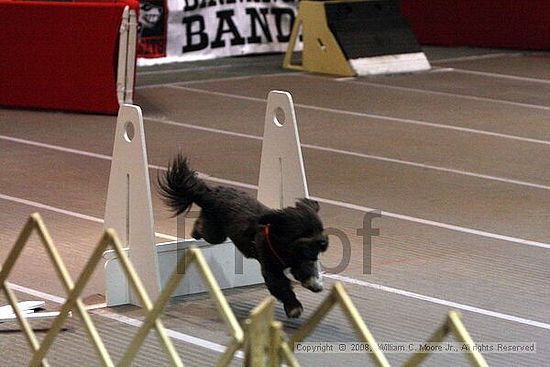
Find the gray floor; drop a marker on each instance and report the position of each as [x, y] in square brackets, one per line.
[455, 159]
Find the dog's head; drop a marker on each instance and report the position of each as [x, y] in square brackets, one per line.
[297, 237]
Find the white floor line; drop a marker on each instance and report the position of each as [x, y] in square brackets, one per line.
[55, 147]
[69, 213]
[227, 182]
[213, 80]
[454, 95]
[109, 158]
[316, 147]
[202, 128]
[240, 77]
[439, 301]
[375, 116]
[182, 70]
[36, 293]
[451, 227]
[344, 278]
[328, 201]
[126, 320]
[502, 76]
[155, 85]
[190, 339]
[190, 82]
[345, 79]
[220, 348]
[95, 306]
[430, 167]
[477, 57]
[361, 155]
[437, 69]
[203, 68]
[342, 204]
[309, 146]
[54, 209]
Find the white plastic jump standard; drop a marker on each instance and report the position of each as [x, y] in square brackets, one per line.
[129, 209]
[282, 175]
[282, 180]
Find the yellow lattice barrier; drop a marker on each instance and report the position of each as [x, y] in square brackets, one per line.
[338, 295]
[453, 325]
[262, 339]
[74, 302]
[193, 255]
[264, 343]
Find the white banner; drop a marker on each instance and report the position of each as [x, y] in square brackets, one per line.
[206, 29]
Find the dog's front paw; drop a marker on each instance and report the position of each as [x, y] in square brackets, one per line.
[294, 311]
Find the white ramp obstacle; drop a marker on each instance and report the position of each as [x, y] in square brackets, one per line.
[282, 181]
[354, 37]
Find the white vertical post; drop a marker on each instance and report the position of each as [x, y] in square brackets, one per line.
[282, 175]
[131, 57]
[129, 207]
[122, 56]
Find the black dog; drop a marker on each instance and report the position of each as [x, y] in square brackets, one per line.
[289, 238]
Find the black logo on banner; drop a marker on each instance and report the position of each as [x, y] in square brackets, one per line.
[229, 31]
[152, 28]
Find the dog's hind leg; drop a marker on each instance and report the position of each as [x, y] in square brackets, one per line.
[207, 229]
[281, 288]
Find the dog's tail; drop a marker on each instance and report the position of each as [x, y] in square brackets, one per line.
[180, 187]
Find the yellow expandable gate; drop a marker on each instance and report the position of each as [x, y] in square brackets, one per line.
[453, 325]
[262, 340]
[338, 295]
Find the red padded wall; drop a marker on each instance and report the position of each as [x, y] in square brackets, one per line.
[518, 24]
[58, 55]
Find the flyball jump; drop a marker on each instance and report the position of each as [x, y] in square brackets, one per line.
[129, 210]
[354, 37]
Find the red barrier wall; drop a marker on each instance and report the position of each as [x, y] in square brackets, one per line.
[58, 55]
[522, 24]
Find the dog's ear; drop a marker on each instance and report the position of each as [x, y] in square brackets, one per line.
[274, 217]
[308, 203]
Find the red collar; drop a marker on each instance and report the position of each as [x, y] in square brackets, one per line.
[270, 245]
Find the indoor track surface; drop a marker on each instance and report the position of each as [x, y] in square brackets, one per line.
[456, 160]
